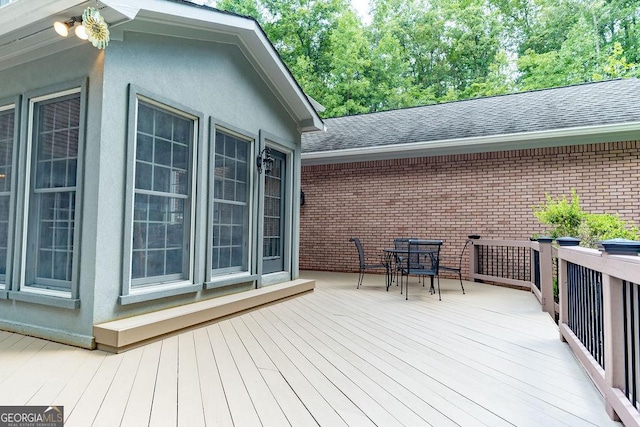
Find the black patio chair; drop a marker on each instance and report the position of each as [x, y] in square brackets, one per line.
[458, 269]
[427, 254]
[401, 243]
[363, 264]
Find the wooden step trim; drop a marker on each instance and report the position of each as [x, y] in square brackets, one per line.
[123, 334]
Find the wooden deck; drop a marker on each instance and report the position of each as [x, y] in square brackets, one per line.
[337, 356]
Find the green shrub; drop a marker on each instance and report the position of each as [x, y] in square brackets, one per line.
[596, 227]
[562, 215]
[566, 218]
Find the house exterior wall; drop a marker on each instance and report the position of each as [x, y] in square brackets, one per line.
[83, 63]
[450, 197]
[212, 80]
[215, 81]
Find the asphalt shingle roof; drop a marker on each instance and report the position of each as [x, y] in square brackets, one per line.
[583, 105]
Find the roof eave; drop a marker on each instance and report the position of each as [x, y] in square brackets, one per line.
[525, 140]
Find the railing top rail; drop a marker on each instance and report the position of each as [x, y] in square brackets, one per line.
[621, 266]
[511, 243]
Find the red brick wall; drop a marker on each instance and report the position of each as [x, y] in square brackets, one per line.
[449, 197]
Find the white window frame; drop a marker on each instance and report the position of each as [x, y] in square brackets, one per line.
[223, 277]
[131, 292]
[37, 289]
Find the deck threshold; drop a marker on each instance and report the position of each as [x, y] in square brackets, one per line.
[124, 334]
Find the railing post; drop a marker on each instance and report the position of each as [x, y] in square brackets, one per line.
[473, 258]
[614, 322]
[563, 304]
[546, 276]
[613, 337]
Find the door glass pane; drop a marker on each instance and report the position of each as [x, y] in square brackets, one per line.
[274, 215]
[230, 207]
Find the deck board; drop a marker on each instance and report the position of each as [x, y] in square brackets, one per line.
[164, 409]
[214, 402]
[115, 402]
[241, 407]
[315, 402]
[337, 356]
[138, 409]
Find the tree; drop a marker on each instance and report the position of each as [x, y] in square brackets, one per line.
[416, 52]
[250, 8]
[347, 82]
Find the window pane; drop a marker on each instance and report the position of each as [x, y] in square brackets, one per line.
[144, 176]
[181, 130]
[161, 179]
[57, 142]
[161, 230]
[163, 152]
[6, 164]
[4, 231]
[6, 148]
[54, 232]
[144, 148]
[231, 211]
[145, 119]
[174, 261]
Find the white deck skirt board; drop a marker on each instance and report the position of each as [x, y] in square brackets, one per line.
[122, 334]
[339, 356]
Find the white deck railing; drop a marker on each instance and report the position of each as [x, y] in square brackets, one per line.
[598, 310]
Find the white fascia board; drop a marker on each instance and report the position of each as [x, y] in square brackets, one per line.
[126, 8]
[504, 142]
[255, 43]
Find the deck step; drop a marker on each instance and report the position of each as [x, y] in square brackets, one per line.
[123, 334]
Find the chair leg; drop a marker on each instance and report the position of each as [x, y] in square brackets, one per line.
[439, 297]
[406, 289]
[461, 285]
[360, 277]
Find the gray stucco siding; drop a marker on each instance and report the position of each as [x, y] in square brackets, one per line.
[56, 72]
[214, 80]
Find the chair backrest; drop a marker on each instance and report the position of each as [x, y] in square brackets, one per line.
[360, 250]
[402, 242]
[462, 253]
[427, 252]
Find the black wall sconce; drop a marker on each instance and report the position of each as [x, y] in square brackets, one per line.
[264, 161]
[302, 198]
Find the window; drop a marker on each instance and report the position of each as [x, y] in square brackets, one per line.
[51, 252]
[231, 187]
[162, 209]
[7, 137]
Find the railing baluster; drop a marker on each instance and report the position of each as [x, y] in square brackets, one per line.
[626, 302]
[634, 356]
[592, 313]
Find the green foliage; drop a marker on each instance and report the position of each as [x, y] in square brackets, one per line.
[562, 215]
[616, 65]
[596, 227]
[417, 52]
[566, 218]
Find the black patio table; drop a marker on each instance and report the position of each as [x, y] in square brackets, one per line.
[393, 257]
